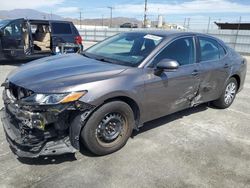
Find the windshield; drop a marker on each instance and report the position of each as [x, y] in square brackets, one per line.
[128, 49]
[4, 22]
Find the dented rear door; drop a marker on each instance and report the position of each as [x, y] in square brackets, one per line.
[214, 69]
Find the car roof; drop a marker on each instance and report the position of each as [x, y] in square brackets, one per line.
[39, 20]
[173, 33]
[167, 33]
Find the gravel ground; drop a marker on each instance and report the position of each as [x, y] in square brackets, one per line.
[198, 147]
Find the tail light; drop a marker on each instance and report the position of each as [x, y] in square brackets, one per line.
[78, 40]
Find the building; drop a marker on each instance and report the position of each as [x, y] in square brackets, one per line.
[233, 26]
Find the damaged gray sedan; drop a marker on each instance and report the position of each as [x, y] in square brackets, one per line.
[56, 104]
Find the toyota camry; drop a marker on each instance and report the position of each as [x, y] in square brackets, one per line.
[96, 99]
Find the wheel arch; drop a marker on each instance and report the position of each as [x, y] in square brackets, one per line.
[237, 77]
[131, 102]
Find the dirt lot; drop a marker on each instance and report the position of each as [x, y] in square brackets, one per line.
[199, 147]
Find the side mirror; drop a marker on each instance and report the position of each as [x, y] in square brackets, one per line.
[166, 64]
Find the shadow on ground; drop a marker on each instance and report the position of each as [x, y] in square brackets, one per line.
[169, 118]
[46, 160]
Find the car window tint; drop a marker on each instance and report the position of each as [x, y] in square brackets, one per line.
[74, 30]
[33, 28]
[149, 44]
[181, 50]
[209, 49]
[222, 51]
[61, 28]
[13, 29]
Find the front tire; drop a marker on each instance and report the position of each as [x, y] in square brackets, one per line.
[108, 128]
[228, 95]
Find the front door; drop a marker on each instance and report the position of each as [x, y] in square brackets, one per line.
[12, 39]
[172, 90]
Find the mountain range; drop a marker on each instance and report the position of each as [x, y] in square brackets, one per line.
[27, 13]
[34, 14]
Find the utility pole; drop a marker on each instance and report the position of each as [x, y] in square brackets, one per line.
[237, 33]
[188, 21]
[102, 21]
[184, 24]
[145, 13]
[51, 15]
[111, 14]
[208, 25]
[239, 24]
[80, 19]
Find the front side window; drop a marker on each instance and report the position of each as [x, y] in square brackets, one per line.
[209, 49]
[61, 28]
[129, 49]
[3, 23]
[181, 50]
[13, 29]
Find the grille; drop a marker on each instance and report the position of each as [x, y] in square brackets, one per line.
[19, 92]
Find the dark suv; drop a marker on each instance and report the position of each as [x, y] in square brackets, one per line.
[22, 38]
[99, 97]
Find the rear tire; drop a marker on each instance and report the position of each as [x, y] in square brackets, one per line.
[108, 128]
[228, 95]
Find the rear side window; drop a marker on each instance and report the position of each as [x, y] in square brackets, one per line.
[209, 49]
[75, 31]
[61, 28]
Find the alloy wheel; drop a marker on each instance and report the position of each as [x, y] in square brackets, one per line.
[230, 93]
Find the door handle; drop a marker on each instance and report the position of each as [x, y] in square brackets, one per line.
[226, 66]
[195, 73]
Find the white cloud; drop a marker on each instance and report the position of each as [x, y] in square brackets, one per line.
[24, 4]
[67, 10]
[195, 6]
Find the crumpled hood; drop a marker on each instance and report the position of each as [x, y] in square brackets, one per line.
[59, 73]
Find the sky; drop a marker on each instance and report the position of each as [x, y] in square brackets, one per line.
[172, 10]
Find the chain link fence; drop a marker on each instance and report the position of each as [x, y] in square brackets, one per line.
[237, 39]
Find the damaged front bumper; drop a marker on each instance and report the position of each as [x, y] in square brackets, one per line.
[41, 131]
[27, 146]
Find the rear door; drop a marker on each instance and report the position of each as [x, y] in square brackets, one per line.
[12, 39]
[214, 68]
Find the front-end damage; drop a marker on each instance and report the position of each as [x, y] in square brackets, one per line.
[34, 130]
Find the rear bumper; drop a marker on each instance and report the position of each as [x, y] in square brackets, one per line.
[23, 148]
